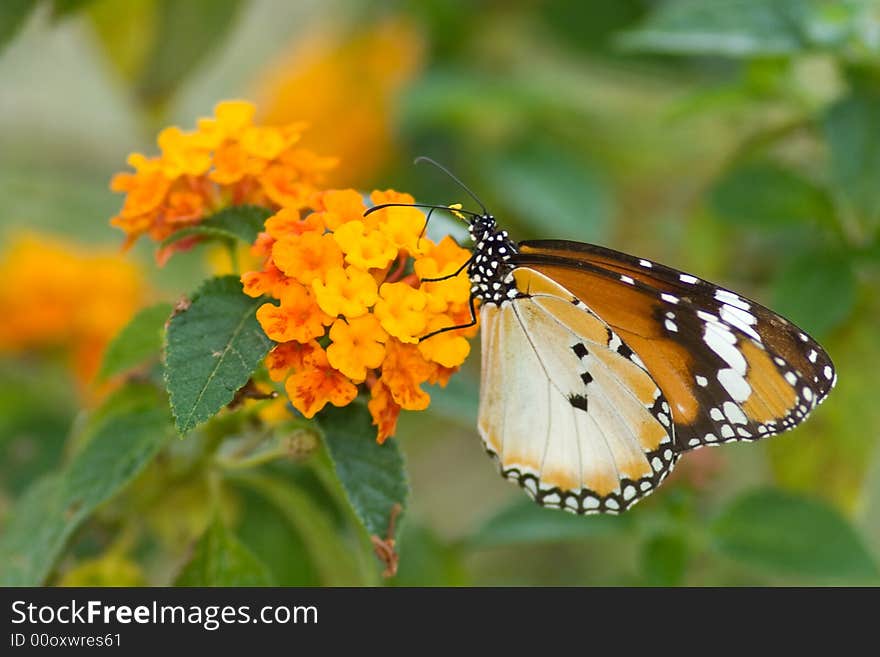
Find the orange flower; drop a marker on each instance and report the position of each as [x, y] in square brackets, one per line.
[269, 281]
[317, 384]
[403, 371]
[58, 295]
[226, 160]
[339, 206]
[330, 267]
[307, 257]
[322, 77]
[384, 411]
[290, 356]
[288, 221]
[297, 318]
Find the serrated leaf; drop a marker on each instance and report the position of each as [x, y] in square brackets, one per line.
[746, 28]
[526, 522]
[55, 506]
[12, 16]
[788, 534]
[766, 195]
[139, 340]
[237, 222]
[220, 559]
[372, 475]
[187, 32]
[212, 348]
[852, 131]
[816, 290]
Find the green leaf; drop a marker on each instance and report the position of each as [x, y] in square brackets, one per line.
[372, 475]
[664, 560]
[334, 562]
[852, 131]
[187, 32]
[54, 507]
[526, 522]
[220, 559]
[551, 190]
[764, 194]
[747, 28]
[138, 341]
[787, 534]
[237, 222]
[12, 16]
[212, 348]
[816, 290]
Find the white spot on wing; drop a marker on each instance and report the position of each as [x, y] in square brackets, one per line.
[731, 299]
[735, 384]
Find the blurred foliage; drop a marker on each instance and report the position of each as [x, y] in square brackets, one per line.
[738, 140]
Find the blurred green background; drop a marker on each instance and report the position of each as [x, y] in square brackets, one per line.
[738, 140]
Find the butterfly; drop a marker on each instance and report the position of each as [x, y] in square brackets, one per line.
[600, 369]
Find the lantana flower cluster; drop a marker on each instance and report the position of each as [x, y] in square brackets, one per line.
[352, 306]
[227, 160]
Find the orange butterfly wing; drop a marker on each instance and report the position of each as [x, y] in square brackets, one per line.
[730, 368]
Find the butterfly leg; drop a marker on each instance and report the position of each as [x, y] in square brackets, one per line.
[448, 276]
[455, 328]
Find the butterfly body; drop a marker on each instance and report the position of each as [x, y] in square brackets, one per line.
[600, 369]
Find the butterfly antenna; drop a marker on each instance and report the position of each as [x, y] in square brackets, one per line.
[442, 168]
[447, 208]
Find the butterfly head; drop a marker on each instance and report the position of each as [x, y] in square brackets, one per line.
[482, 226]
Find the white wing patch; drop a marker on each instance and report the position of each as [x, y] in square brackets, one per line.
[566, 408]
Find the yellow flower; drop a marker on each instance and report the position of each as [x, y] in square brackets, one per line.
[439, 261]
[401, 309]
[183, 153]
[367, 249]
[232, 117]
[348, 292]
[402, 226]
[449, 349]
[357, 345]
[263, 142]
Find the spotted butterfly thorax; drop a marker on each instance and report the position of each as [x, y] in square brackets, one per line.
[600, 369]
